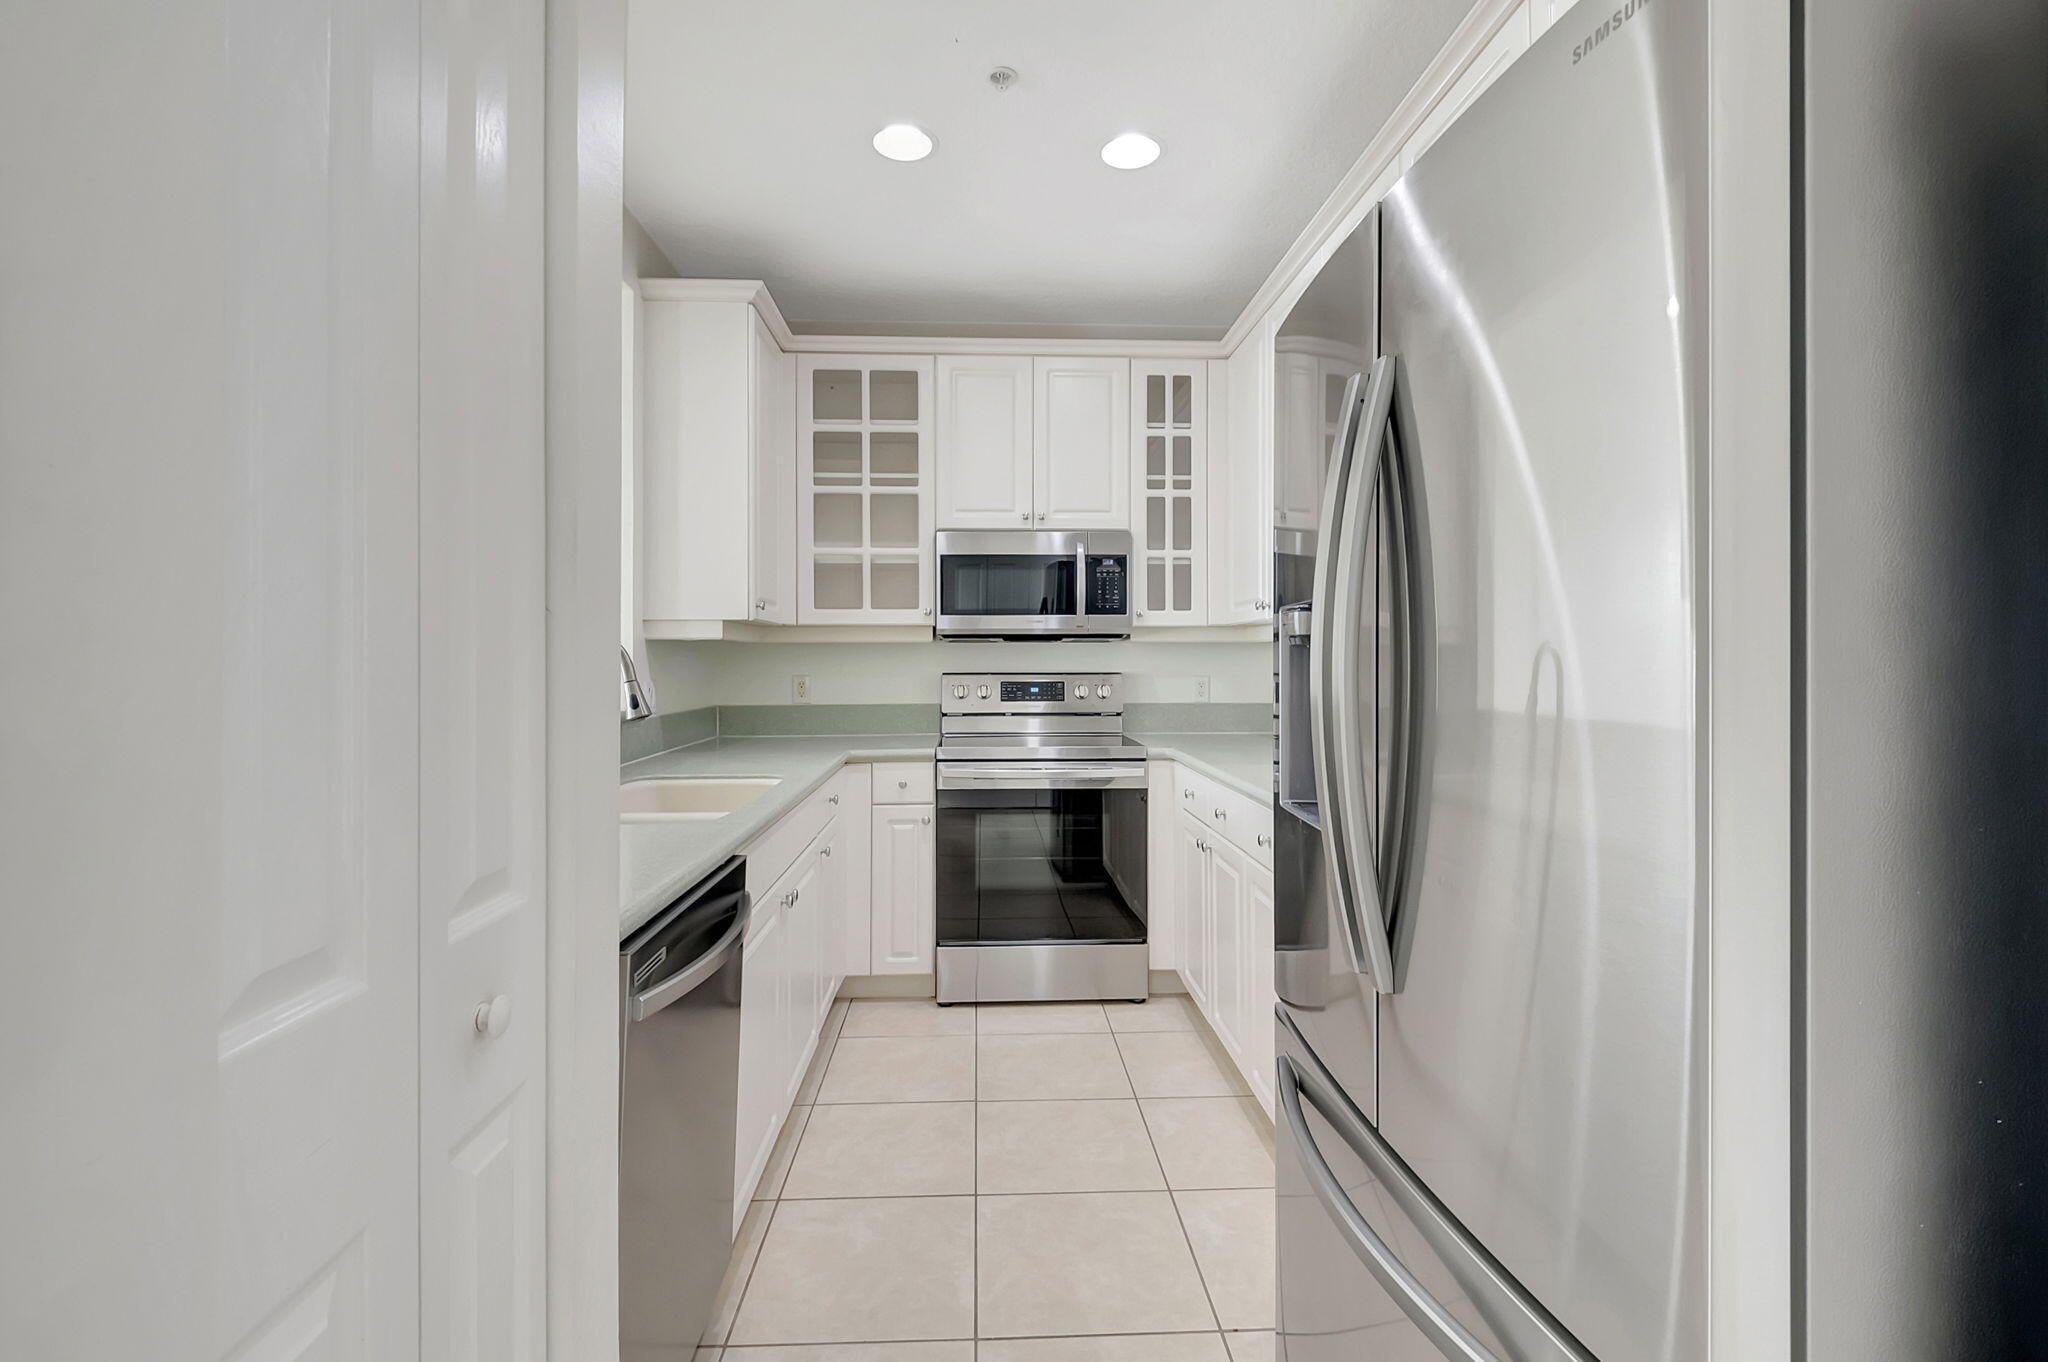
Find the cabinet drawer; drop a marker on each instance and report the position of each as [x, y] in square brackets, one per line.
[771, 854]
[1246, 823]
[904, 782]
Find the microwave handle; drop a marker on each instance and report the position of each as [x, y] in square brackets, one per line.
[1081, 578]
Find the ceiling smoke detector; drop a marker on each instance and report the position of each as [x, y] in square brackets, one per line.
[1003, 77]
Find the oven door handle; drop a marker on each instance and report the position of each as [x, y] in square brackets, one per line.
[1017, 775]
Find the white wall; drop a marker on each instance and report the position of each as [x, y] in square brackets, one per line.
[689, 675]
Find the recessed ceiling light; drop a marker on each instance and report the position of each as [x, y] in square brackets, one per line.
[904, 142]
[1130, 151]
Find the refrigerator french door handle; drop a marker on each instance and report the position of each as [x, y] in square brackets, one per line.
[1451, 1338]
[1341, 752]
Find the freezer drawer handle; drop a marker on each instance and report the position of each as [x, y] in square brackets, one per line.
[1531, 1332]
[1449, 1336]
[653, 1000]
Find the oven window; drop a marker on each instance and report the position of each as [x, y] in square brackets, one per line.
[1041, 865]
[1007, 584]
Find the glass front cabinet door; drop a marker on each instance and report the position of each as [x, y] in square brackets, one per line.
[864, 503]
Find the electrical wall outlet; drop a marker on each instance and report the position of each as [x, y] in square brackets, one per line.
[1201, 688]
[802, 686]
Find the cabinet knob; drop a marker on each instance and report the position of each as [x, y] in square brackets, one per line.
[1041, 515]
[1187, 794]
[494, 1016]
[926, 612]
[832, 799]
[902, 784]
[926, 819]
[1221, 815]
[826, 853]
[761, 604]
[1024, 515]
[1265, 839]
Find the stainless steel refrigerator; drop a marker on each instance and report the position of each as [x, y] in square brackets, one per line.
[1489, 945]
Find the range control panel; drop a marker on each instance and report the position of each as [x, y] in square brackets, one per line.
[1034, 693]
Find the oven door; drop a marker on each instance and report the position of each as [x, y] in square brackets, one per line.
[1041, 853]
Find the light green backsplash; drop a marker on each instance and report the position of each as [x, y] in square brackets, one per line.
[776, 720]
[1140, 717]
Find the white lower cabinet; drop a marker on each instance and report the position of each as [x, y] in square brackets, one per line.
[796, 957]
[903, 890]
[1223, 906]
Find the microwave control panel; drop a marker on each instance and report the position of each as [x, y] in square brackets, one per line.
[1108, 580]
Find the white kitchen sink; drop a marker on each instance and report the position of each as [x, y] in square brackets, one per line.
[689, 799]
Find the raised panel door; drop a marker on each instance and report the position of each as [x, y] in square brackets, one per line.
[905, 881]
[1256, 1030]
[808, 920]
[852, 835]
[1081, 444]
[1191, 885]
[1298, 440]
[483, 616]
[764, 993]
[774, 476]
[1227, 909]
[1241, 485]
[984, 442]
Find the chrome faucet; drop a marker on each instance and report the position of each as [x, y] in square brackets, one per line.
[639, 698]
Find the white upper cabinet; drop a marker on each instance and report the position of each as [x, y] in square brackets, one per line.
[984, 442]
[774, 379]
[864, 489]
[1299, 440]
[718, 504]
[1081, 443]
[1169, 490]
[1241, 483]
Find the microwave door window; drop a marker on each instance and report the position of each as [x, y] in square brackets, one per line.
[1006, 584]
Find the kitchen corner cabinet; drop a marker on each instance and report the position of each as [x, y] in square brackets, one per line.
[715, 440]
[1169, 491]
[864, 489]
[1081, 443]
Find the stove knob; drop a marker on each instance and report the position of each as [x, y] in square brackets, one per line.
[1102, 691]
[1080, 692]
[959, 692]
[981, 692]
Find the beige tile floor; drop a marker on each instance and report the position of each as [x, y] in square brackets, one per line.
[1050, 1182]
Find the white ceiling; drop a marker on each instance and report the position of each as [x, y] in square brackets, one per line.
[747, 151]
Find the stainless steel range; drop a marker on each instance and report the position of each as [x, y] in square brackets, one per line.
[1041, 821]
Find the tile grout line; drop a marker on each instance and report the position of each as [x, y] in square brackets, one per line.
[1171, 1199]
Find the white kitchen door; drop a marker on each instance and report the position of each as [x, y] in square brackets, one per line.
[482, 937]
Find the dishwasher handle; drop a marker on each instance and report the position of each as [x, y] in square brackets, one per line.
[647, 1002]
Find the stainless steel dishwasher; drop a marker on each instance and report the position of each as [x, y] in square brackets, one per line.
[679, 1056]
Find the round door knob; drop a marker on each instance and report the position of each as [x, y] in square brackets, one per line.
[494, 1016]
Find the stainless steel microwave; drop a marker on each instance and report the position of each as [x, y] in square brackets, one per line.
[1034, 584]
